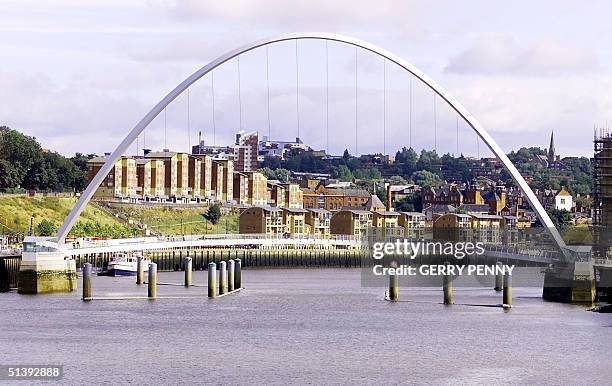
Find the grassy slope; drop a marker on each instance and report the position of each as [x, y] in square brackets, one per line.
[17, 211]
[168, 220]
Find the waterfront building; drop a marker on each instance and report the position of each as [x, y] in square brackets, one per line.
[205, 175]
[453, 227]
[157, 179]
[295, 221]
[171, 171]
[486, 228]
[386, 225]
[194, 176]
[318, 222]
[294, 198]
[334, 199]
[216, 182]
[275, 193]
[257, 187]
[413, 224]
[241, 188]
[120, 181]
[353, 222]
[227, 180]
[143, 178]
[433, 211]
[262, 220]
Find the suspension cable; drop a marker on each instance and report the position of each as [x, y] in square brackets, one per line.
[188, 123]
[327, 95]
[435, 124]
[384, 107]
[212, 91]
[410, 113]
[239, 95]
[268, 86]
[457, 129]
[165, 129]
[297, 87]
[356, 105]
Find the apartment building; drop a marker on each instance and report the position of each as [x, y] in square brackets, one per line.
[295, 221]
[294, 197]
[120, 182]
[205, 175]
[194, 176]
[258, 190]
[386, 225]
[352, 222]
[453, 227]
[334, 199]
[263, 220]
[413, 224]
[143, 177]
[216, 181]
[241, 188]
[170, 167]
[318, 222]
[275, 193]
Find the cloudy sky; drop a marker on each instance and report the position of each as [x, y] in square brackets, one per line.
[78, 75]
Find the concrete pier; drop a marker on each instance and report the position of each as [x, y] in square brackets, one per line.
[230, 275]
[507, 294]
[238, 274]
[222, 278]
[43, 269]
[570, 282]
[188, 273]
[152, 293]
[212, 280]
[87, 282]
[140, 270]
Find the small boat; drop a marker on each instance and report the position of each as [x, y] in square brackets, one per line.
[123, 264]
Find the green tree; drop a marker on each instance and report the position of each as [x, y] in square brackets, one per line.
[213, 214]
[425, 178]
[342, 173]
[46, 228]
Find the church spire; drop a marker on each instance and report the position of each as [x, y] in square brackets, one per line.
[551, 149]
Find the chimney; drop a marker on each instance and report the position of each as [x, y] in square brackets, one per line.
[389, 198]
[146, 151]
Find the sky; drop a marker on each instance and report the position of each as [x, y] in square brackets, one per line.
[78, 75]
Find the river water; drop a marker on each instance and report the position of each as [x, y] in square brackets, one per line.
[305, 326]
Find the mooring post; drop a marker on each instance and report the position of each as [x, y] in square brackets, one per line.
[212, 280]
[222, 278]
[152, 281]
[393, 285]
[447, 284]
[238, 274]
[507, 294]
[87, 282]
[231, 275]
[188, 268]
[499, 278]
[140, 270]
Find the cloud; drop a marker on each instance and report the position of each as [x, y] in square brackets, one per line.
[502, 55]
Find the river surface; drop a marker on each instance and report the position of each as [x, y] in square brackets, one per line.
[305, 326]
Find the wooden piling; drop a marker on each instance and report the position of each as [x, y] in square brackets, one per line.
[152, 281]
[212, 280]
[238, 274]
[447, 284]
[188, 268]
[507, 294]
[499, 278]
[222, 278]
[87, 282]
[140, 270]
[231, 275]
[393, 285]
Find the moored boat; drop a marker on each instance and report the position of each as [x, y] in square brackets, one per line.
[123, 264]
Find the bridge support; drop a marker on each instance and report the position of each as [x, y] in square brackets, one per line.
[44, 269]
[570, 283]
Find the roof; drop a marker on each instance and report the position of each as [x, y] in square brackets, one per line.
[142, 161]
[387, 213]
[414, 214]
[487, 216]
[295, 210]
[350, 192]
[440, 208]
[161, 154]
[474, 208]
[318, 210]
[355, 211]
[374, 202]
[563, 192]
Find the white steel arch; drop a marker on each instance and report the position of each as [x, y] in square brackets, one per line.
[159, 107]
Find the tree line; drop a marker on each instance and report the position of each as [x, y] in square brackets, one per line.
[25, 165]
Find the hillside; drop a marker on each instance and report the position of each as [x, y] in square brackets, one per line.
[16, 212]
